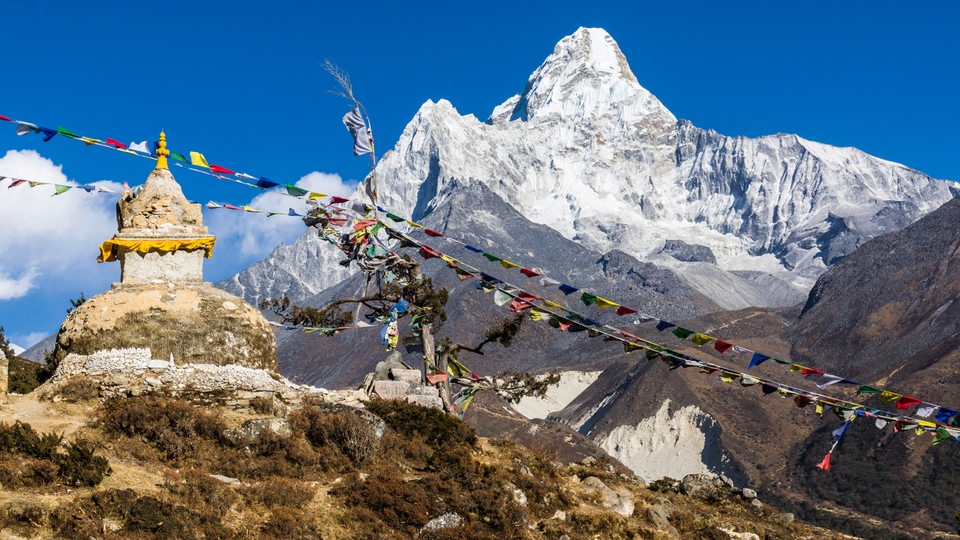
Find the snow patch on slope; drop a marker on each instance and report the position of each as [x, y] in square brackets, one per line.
[572, 384]
[674, 445]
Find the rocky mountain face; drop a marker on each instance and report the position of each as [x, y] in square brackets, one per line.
[300, 270]
[588, 152]
[889, 315]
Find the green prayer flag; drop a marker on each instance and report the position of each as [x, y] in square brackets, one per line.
[868, 390]
[295, 191]
[177, 156]
[60, 189]
[66, 132]
[942, 435]
[588, 299]
[628, 347]
[682, 333]
[652, 355]
[779, 361]
[395, 217]
[491, 258]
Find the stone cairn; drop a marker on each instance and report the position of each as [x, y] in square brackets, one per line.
[393, 379]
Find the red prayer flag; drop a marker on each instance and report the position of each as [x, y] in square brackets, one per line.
[721, 346]
[808, 371]
[825, 464]
[907, 401]
[624, 310]
[219, 169]
[431, 232]
[521, 302]
[363, 224]
[16, 182]
[2, 117]
[337, 221]
[335, 200]
[435, 377]
[115, 143]
[232, 207]
[529, 273]
[428, 252]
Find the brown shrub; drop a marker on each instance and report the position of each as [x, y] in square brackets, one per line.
[78, 389]
[280, 491]
[343, 430]
[401, 505]
[171, 425]
[286, 522]
[263, 405]
[207, 496]
[79, 466]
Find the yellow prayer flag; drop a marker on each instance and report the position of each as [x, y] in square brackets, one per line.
[314, 196]
[250, 209]
[552, 305]
[508, 265]
[535, 314]
[414, 224]
[887, 395]
[448, 259]
[196, 158]
[89, 140]
[920, 430]
[926, 423]
[604, 303]
[794, 368]
[727, 376]
[700, 340]
[819, 409]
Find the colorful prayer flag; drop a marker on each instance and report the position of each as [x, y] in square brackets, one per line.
[221, 170]
[196, 158]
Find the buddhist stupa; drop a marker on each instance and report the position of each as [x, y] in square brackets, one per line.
[162, 302]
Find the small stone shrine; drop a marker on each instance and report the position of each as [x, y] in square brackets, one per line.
[162, 302]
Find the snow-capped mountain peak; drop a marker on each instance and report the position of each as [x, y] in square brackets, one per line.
[586, 75]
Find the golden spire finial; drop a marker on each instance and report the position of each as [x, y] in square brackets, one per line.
[162, 152]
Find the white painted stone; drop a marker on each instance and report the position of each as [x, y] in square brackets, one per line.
[391, 389]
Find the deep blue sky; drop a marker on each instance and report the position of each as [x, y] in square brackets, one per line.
[243, 82]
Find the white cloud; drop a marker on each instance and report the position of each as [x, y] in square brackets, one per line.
[253, 236]
[48, 239]
[17, 287]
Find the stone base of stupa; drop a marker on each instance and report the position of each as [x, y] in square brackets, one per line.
[188, 323]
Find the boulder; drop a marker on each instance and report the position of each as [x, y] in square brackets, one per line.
[445, 521]
[619, 501]
[659, 514]
[704, 486]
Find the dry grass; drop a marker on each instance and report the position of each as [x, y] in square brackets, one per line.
[293, 487]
